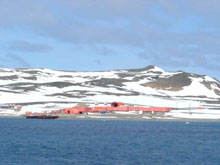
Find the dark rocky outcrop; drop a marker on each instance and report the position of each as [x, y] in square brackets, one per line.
[173, 83]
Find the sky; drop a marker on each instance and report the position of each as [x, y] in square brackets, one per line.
[95, 35]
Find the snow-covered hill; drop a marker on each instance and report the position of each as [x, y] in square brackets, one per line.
[40, 89]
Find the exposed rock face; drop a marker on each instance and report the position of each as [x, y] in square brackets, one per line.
[142, 69]
[172, 83]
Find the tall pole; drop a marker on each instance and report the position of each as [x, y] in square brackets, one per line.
[190, 108]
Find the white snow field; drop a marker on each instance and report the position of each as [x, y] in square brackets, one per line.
[39, 90]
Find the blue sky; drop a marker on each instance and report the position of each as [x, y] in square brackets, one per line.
[85, 35]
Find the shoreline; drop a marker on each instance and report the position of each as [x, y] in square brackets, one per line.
[118, 118]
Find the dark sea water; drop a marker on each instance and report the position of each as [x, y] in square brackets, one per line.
[31, 141]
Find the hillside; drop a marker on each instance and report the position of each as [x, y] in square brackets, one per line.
[40, 89]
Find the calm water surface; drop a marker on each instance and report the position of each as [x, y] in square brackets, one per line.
[77, 142]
